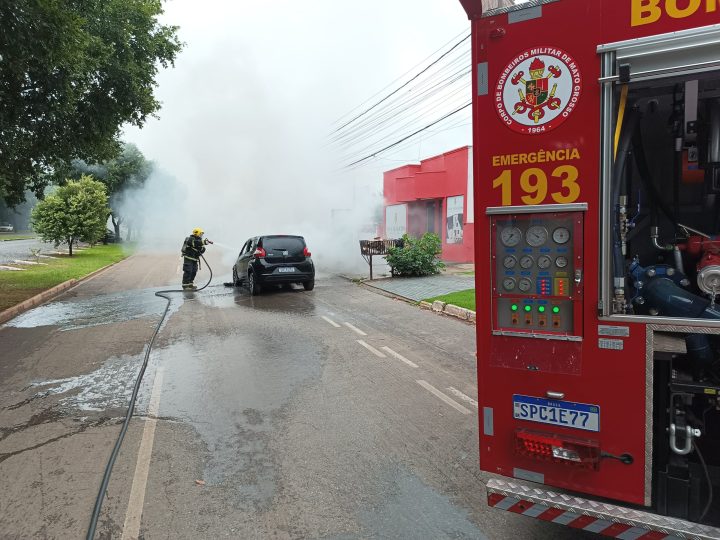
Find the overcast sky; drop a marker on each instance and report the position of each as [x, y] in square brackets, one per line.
[259, 84]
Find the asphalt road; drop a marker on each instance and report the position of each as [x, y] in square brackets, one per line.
[21, 249]
[290, 415]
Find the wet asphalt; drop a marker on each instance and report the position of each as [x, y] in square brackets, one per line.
[273, 418]
[23, 249]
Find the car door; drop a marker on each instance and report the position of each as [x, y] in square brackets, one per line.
[243, 258]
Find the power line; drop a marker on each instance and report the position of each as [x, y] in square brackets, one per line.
[400, 77]
[437, 105]
[403, 85]
[407, 137]
[419, 105]
[375, 122]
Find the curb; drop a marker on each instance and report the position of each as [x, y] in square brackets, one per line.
[437, 306]
[46, 296]
[450, 310]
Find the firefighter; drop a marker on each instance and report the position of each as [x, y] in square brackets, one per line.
[192, 248]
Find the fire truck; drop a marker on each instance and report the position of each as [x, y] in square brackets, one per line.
[596, 140]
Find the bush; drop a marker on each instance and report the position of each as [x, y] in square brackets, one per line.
[416, 257]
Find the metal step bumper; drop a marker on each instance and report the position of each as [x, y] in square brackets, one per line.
[592, 516]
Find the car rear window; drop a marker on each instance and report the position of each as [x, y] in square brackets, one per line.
[291, 244]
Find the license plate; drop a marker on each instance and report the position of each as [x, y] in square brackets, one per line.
[286, 269]
[557, 413]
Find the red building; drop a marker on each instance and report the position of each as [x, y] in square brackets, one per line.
[435, 196]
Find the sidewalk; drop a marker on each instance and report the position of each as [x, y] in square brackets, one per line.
[454, 278]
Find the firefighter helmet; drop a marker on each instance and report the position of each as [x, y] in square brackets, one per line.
[197, 231]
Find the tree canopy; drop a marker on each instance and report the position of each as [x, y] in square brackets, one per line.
[75, 211]
[72, 72]
[121, 175]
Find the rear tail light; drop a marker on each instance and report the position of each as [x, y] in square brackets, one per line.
[306, 252]
[580, 453]
[259, 253]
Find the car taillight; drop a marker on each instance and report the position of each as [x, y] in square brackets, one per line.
[259, 252]
[306, 252]
[581, 453]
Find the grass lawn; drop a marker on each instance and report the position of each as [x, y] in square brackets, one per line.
[465, 299]
[4, 237]
[18, 286]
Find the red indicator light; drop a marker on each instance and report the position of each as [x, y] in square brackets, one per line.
[581, 453]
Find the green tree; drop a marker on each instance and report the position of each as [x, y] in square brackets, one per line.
[121, 175]
[76, 211]
[416, 257]
[72, 72]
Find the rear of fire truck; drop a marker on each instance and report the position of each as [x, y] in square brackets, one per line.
[597, 171]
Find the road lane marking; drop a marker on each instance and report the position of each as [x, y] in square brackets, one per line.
[371, 349]
[462, 396]
[131, 528]
[336, 325]
[400, 357]
[437, 393]
[355, 329]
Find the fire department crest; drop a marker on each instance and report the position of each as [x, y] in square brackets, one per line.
[538, 90]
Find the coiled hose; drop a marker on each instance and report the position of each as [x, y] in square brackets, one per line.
[131, 408]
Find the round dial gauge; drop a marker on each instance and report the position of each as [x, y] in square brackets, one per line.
[526, 261]
[561, 235]
[536, 235]
[561, 262]
[508, 284]
[510, 236]
[544, 261]
[509, 261]
[524, 284]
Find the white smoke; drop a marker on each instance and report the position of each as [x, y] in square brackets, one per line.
[240, 147]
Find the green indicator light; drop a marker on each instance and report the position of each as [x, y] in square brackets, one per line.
[514, 307]
[528, 308]
[541, 309]
[556, 309]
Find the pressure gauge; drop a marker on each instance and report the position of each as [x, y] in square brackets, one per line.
[526, 261]
[524, 284]
[544, 261]
[510, 236]
[508, 283]
[561, 235]
[509, 262]
[561, 262]
[536, 235]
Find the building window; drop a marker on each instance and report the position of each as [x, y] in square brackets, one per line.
[455, 220]
[395, 220]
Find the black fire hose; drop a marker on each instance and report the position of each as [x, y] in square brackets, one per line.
[131, 408]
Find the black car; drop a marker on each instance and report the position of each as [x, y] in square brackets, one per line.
[274, 260]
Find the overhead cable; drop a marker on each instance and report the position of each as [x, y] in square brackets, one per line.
[407, 137]
[403, 85]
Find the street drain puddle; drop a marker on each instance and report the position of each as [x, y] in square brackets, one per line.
[95, 311]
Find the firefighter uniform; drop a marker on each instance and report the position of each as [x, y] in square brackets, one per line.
[192, 248]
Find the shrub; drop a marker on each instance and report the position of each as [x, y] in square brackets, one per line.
[416, 257]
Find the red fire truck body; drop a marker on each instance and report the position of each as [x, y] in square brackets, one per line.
[597, 180]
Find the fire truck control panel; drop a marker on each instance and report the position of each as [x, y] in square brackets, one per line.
[537, 271]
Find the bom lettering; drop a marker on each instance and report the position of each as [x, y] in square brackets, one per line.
[650, 11]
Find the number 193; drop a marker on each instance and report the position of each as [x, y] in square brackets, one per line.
[534, 185]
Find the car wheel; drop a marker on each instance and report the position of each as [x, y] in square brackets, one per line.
[253, 285]
[309, 285]
[236, 280]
